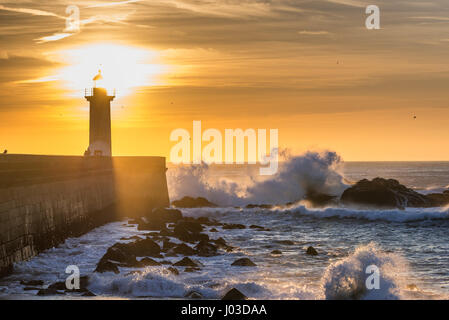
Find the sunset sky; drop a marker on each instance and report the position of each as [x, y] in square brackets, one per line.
[309, 68]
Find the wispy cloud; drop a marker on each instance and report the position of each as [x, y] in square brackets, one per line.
[33, 12]
[54, 37]
[111, 4]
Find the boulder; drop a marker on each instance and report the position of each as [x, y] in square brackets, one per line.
[231, 226]
[148, 262]
[318, 199]
[191, 226]
[286, 242]
[311, 251]
[276, 252]
[206, 249]
[234, 294]
[243, 262]
[184, 250]
[193, 295]
[173, 271]
[189, 202]
[186, 262]
[439, 199]
[384, 193]
[144, 247]
[107, 266]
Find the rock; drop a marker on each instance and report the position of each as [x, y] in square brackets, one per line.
[230, 226]
[439, 199]
[31, 289]
[48, 292]
[119, 252]
[32, 283]
[234, 294]
[144, 247]
[184, 250]
[286, 242]
[87, 293]
[206, 249]
[193, 295]
[384, 193]
[311, 251]
[260, 206]
[167, 245]
[188, 232]
[189, 202]
[186, 262]
[276, 252]
[243, 262]
[191, 269]
[173, 271]
[213, 230]
[158, 218]
[318, 199]
[191, 226]
[258, 228]
[107, 266]
[148, 262]
[58, 286]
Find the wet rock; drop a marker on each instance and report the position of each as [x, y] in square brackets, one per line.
[286, 242]
[107, 266]
[439, 199]
[49, 292]
[384, 193]
[311, 251]
[276, 252]
[173, 271]
[183, 233]
[193, 295]
[167, 245]
[234, 294]
[318, 199]
[31, 289]
[231, 226]
[32, 283]
[58, 286]
[206, 249]
[243, 262]
[148, 262]
[186, 262]
[166, 262]
[191, 269]
[189, 202]
[88, 293]
[144, 247]
[191, 226]
[213, 230]
[184, 250]
[259, 206]
[258, 228]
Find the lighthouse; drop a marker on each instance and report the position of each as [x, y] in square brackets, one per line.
[99, 118]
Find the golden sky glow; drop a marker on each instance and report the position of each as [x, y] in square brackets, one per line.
[308, 68]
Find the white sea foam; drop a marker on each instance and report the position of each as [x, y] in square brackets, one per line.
[313, 171]
[346, 279]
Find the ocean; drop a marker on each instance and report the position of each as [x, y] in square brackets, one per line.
[409, 247]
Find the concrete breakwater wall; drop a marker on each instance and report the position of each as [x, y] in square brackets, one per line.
[45, 199]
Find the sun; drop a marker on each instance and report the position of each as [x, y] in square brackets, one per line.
[123, 68]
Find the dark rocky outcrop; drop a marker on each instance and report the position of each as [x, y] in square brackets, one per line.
[183, 249]
[439, 199]
[107, 266]
[186, 262]
[234, 294]
[318, 199]
[259, 206]
[311, 251]
[384, 193]
[243, 262]
[148, 262]
[206, 249]
[231, 226]
[276, 252]
[189, 202]
[158, 218]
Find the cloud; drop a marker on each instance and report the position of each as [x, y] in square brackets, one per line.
[54, 37]
[33, 12]
[111, 4]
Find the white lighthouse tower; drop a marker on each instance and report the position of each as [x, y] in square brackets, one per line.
[99, 119]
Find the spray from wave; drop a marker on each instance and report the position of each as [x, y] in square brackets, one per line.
[347, 279]
[297, 176]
